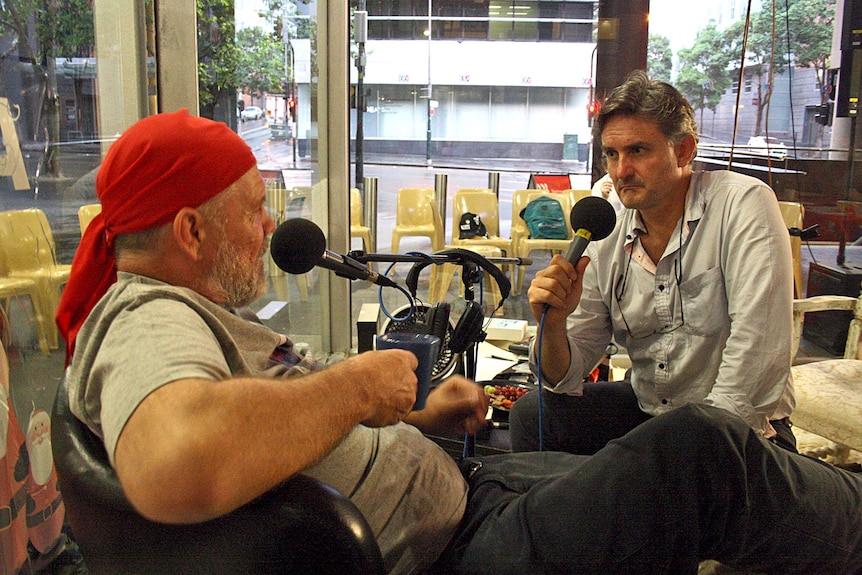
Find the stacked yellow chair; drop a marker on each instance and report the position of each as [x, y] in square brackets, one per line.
[28, 248]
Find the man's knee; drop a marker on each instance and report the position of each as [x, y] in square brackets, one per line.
[694, 426]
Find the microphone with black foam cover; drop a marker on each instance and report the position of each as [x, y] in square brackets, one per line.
[593, 218]
[297, 245]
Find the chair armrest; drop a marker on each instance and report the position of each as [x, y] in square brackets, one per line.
[824, 303]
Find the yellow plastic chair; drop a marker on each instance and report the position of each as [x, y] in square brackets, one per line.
[357, 230]
[471, 190]
[522, 243]
[483, 203]
[793, 213]
[28, 246]
[280, 202]
[86, 213]
[577, 195]
[417, 215]
[441, 283]
[13, 288]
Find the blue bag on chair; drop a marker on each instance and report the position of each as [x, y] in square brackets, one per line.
[545, 219]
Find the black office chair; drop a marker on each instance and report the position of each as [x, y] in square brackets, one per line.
[301, 526]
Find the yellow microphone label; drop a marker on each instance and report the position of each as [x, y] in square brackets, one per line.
[586, 234]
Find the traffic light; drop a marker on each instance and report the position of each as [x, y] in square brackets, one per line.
[291, 109]
[592, 111]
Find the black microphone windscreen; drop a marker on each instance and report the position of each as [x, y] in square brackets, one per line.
[297, 245]
[594, 214]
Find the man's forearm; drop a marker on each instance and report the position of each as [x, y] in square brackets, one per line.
[556, 357]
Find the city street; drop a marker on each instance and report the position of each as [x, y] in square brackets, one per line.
[395, 172]
[391, 174]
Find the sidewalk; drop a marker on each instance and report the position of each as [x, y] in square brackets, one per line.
[278, 155]
[537, 165]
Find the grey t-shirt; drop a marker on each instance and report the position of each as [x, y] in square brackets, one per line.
[144, 334]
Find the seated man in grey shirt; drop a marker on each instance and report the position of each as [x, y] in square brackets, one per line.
[183, 390]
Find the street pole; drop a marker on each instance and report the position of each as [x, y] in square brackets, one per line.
[428, 109]
[360, 32]
[290, 82]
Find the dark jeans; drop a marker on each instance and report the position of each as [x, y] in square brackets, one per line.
[584, 424]
[690, 485]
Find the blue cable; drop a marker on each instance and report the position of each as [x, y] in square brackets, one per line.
[539, 333]
[402, 290]
[409, 297]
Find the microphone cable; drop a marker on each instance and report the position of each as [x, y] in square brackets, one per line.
[411, 301]
[539, 336]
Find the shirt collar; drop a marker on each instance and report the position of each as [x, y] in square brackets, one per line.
[695, 203]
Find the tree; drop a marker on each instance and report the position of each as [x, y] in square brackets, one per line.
[228, 61]
[810, 23]
[217, 55]
[764, 55]
[41, 32]
[659, 57]
[261, 62]
[703, 75]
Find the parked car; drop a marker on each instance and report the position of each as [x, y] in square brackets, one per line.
[251, 113]
[762, 145]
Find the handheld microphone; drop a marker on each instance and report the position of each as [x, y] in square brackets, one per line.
[593, 218]
[297, 245]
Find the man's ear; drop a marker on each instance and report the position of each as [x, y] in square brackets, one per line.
[685, 150]
[188, 232]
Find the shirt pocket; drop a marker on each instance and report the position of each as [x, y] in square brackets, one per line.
[704, 302]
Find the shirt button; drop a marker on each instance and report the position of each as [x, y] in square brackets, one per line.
[661, 287]
[661, 366]
[664, 402]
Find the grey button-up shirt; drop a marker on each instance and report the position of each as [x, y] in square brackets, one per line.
[711, 321]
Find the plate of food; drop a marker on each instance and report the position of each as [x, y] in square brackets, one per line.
[504, 394]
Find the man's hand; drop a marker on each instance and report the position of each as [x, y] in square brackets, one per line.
[385, 383]
[458, 404]
[559, 286]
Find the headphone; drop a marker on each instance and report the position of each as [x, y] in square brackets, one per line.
[469, 327]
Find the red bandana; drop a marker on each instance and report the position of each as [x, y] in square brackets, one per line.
[160, 165]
